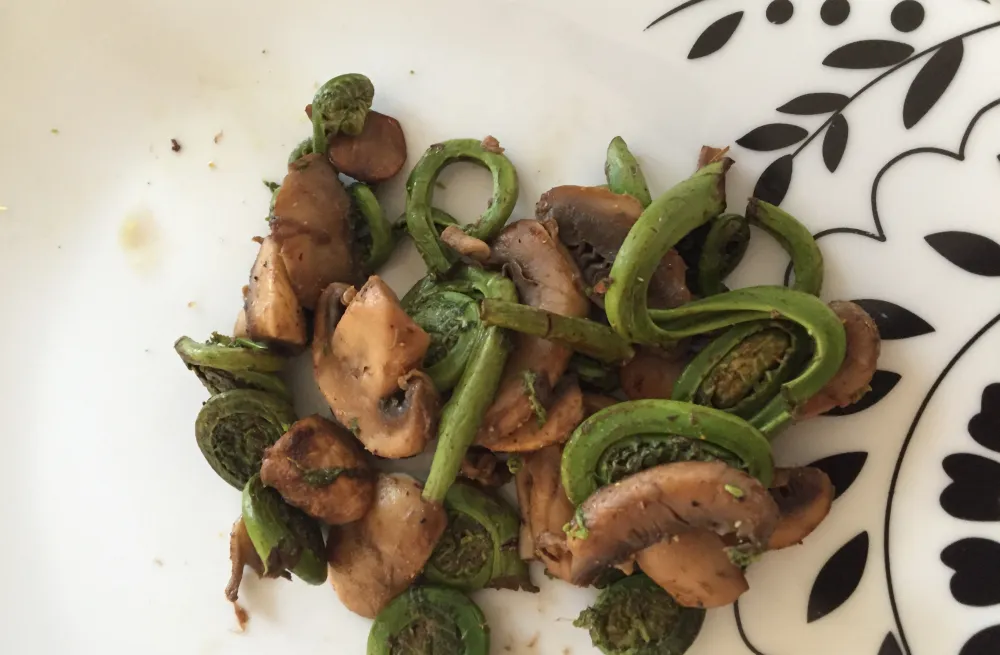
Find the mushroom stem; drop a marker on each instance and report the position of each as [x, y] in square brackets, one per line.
[463, 413]
[580, 334]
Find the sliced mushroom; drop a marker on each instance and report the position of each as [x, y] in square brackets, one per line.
[694, 568]
[709, 155]
[565, 413]
[852, 381]
[593, 223]
[311, 223]
[545, 509]
[547, 279]
[482, 466]
[241, 554]
[643, 509]
[375, 155]
[595, 402]
[272, 310]
[367, 368]
[318, 467]
[804, 497]
[375, 559]
[651, 374]
[463, 244]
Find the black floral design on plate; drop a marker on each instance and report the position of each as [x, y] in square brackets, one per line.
[812, 104]
[835, 142]
[773, 136]
[974, 494]
[907, 16]
[865, 55]
[716, 36]
[986, 642]
[894, 322]
[890, 646]
[842, 469]
[984, 427]
[835, 12]
[773, 183]
[932, 81]
[883, 382]
[839, 578]
[780, 12]
[976, 563]
[973, 253]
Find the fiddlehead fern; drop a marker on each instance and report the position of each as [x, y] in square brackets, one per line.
[430, 621]
[224, 363]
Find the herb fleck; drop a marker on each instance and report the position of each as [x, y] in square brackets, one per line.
[530, 380]
[735, 491]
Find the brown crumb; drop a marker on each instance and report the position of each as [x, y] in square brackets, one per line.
[217, 137]
[156, 560]
[175, 145]
[533, 641]
[242, 618]
[348, 296]
[566, 651]
[492, 145]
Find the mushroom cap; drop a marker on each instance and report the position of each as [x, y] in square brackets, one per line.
[319, 467]
[852, 380]
[622, 519]
[545, 509]
[564, 415]
[375, 559]
[650, 374]
[804, 497]
[374, 155]
[545, 278]
[311, 224]
[271, 308]
[368, 370]
[694, 568]
[593, 223]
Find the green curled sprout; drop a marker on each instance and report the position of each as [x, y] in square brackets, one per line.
[621, 439]
[284, 537]
[477, 382]
[624, 174]
[744, 368]
[420, 218]
[235, 427]
[634, 616]
[373, 233]
[340, 106]
[305, 147]
[223, 363]
[479, 549]
[430, 621]
[798, 242]
[725, 244]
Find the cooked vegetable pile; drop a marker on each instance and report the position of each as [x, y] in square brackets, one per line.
[594, 353]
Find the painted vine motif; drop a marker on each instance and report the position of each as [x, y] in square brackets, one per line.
[971, 559]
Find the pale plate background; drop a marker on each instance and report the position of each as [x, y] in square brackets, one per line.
[113, 531]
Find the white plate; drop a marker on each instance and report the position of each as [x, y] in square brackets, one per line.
[114, 529]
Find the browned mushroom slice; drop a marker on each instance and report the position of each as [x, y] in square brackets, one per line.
[273, 313]
[311, 223]
[318, 467]
[804, 497]
[367, 368]
[560, 420]
[375, 155]
[694, 568]
[241, 554]
[593, 223]
[547, 279]
[545, 509]
[375, 559]
[482, 466]
[595, 402]
[709, 155]
[650, 374]
[852, 381]
[643, 509]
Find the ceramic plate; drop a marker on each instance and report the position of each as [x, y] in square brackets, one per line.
[876, 122]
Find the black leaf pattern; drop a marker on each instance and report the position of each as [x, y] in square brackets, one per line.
[839, 578]
[812, 104]
[973, 253]
[932, 81]
[773, 136]
[984, 427]
[883, 382]
[773, 183]
[976, 563]
[986, 642]
[835, 142]
[716, 36]
[843, 469]
[894, 322]
[864, 55]
[890, 646]
[974, 494]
